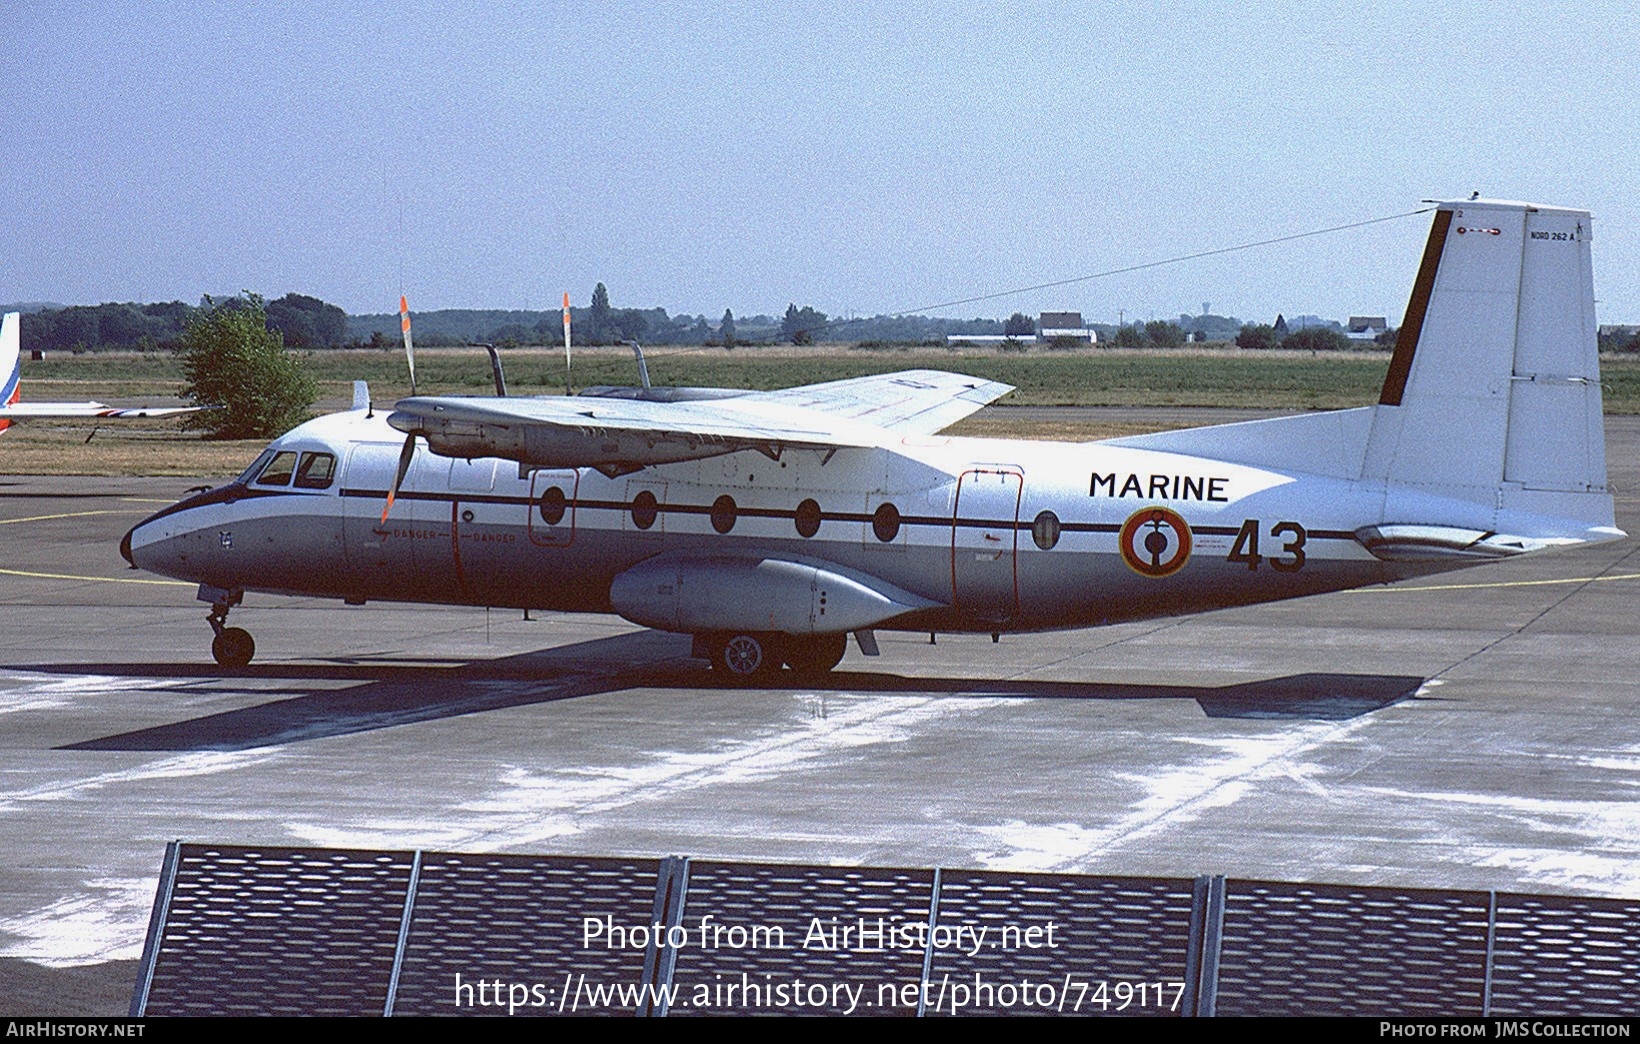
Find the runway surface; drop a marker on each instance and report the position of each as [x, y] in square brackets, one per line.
[1476, 730]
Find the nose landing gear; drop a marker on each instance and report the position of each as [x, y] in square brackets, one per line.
[232, 646]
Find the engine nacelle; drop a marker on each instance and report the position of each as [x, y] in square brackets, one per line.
[697, 594]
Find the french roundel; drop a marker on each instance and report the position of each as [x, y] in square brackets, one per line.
[1155, 542]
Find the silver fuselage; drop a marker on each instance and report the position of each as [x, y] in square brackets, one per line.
[993, 535]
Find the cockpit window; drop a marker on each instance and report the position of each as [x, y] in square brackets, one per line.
[278, 471]
[316, 471]
[255, 468]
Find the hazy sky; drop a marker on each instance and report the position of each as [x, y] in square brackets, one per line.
[858, 158]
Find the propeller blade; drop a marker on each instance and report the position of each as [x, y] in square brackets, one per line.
[409, 349]
[406, 455]
[568, 386]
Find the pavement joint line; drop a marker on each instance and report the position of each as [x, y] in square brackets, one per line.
[1582, 582]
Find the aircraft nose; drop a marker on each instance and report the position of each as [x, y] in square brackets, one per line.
[156, 538]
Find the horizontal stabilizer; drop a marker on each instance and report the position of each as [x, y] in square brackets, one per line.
[1411, 543]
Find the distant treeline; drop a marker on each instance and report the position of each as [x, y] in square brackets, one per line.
[306, 322]
[454, 326]
[507, 328]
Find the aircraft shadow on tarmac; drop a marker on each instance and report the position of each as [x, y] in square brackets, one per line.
[398, 692]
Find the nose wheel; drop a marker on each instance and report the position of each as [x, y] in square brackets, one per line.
[232, 646]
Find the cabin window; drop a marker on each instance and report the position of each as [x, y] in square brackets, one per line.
[553, 503]
[723, 513]
[316, 471]
[279, 470]
[1045, 530]
[885, 522]
[645, 509]
[807, 518]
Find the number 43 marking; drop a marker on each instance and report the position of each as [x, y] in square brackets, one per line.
[1245, 548]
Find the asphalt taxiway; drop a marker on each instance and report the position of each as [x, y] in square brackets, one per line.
[1474, 730]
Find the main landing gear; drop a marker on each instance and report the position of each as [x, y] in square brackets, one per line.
[232, 646]
[749, 657]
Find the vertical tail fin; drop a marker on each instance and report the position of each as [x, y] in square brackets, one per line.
[11, 363]
[1493, 393]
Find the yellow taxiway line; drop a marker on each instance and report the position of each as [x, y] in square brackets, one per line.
[67, 514]
[1506, 583]
[96, 579]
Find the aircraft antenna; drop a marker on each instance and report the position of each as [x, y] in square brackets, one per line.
[1125, 269]
[495, 370]
[643, 367]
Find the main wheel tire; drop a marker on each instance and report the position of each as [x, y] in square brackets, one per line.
[234, 647]
[817, 654]
[744, 657]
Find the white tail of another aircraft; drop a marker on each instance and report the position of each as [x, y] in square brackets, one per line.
[11, 364]
[1490, 416]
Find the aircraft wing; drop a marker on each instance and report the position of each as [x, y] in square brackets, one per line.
[87, 410]
[615, 435]
[910, 402]
[618, 435]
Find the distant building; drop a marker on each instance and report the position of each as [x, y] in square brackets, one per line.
[1365, 327]
[1064, 324]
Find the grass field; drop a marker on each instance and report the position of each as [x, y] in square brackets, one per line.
[1099, 377]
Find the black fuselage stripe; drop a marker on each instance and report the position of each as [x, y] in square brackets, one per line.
[940, 521]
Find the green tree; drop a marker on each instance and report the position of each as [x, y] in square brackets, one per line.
[799, 324]
[1132, 335]
[726, 329]
[308, 322]
[629, 324]
[1317, 339]
[1162, 334]
[232, 360]
[1019, 325]
[600, 315]
[1256, 336]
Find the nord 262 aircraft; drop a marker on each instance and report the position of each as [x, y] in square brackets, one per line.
[771, 525]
